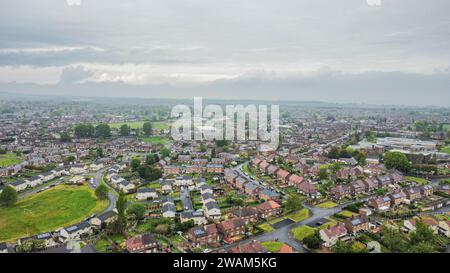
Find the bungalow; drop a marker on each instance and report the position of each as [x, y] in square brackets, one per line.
[204, 235]
[268, 209]
[331, 235]
[168, 210]
[212, 210]
[146, 193]
[380, 203]
[166, 185]
[196, 216]
[232, 228]
[126, 186]
[104, 219]
[248, 214]
[76, 232]
[145, 243]
[78, 169]
[19, 185]
[183, 181]
[355, 225]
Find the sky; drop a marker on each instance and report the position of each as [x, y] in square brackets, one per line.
[357, 51]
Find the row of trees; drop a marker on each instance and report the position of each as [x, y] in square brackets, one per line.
[102, 130]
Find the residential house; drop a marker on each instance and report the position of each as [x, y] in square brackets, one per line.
[268, 209]
[76, 232]
[370, 184]
[357, 187]
[397, 198]
[331, 235]
[251, 188]
[248, 214]
[231, 228]
[145, 243]
[339, 192]
[307, 188]
[166, 185]
[357, 224]
[426, 190]
[295, 180]
[283, 175]
[444, 228]
[380, 203]
[168, 210]
[146, 193]
[212, 210]
[204, 235]
[412, 193]
[267, 194]
[197, 216]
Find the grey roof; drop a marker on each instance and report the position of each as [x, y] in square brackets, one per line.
[145, 190]
[168, 208]
[77, 227]
[212, 205]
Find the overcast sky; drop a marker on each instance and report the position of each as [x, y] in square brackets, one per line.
[372, 51]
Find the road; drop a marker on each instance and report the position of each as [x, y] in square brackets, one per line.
[43, 187]
[186, 200]
[323, 146]
[98, 176]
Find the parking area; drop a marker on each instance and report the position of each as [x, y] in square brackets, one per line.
[282, 223]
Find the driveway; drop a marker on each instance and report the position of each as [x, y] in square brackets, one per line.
[186, 200]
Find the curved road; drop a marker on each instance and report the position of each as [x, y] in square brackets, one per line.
[111, 197]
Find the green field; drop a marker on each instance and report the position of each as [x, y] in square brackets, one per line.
[272, 247]
[445, 149]
[418, 180]
[139, 124]
[46, 211]
[302, 232]
[298, 215]
[155, 140]
[446, 127]
[266, 227]
[7, 160]
[326, 205]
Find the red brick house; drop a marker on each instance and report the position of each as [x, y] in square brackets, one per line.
[204, 235]
[145, 243]
[232, 228]
[268, 209]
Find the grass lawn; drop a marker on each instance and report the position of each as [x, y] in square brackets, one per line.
[101, 245]
[298, 216]
[154, 186]
[327, 205]
[7, 160]
[272, 247]
[445, 149]
[160, 125]
[302, 232]
[347, 213]
[58, 207]
[418, 180]
[155, 140]
[266, 227]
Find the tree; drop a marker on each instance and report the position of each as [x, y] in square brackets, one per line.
[294, 202]
[125, 130]
[342, 247]
[394, 240]
[313, 241]
[151, 159]
[185, 226]
[149, 173]
[137, 211]
[334, 153]
[30, 246]
[164, 152]
[423, 234]
[323, 174]
[203, 148]
[120, 225]
[135, 163]
[213, 152]
[8, 197]
[100, 152]
[103, 131]
[84, 130]
[162, 229]
[147, 128]
[101, 192]
[397, 160]
[65, 137]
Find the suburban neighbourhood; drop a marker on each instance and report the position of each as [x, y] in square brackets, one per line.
[106, 176]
